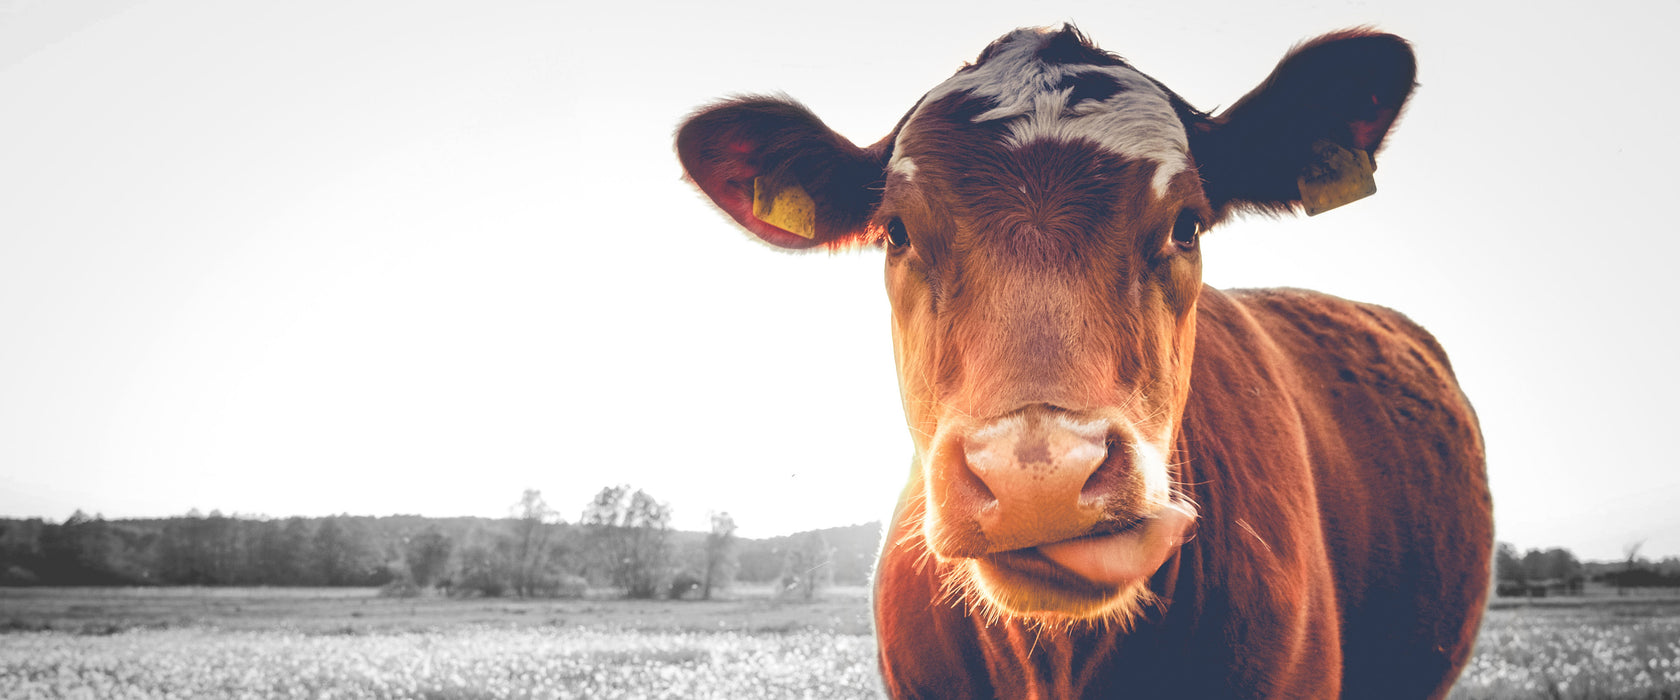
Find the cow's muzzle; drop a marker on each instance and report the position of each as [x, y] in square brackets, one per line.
[1085, 490]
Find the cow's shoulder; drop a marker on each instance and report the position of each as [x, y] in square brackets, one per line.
[1339, 348]
[1358, 374]
[1337, 326]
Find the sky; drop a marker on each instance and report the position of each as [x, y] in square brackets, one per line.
[409, 257]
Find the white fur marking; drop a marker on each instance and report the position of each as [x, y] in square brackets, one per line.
[903, 165]
[1136, 122]
[999, 428]
[1152, 463]
[1095, 430]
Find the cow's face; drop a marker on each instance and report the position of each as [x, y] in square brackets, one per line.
[1040, 213]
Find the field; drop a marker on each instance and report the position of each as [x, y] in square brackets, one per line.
[1594, 647]
[325, 643]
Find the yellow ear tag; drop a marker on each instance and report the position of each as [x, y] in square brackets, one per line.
[1335, 177]
[790, 209]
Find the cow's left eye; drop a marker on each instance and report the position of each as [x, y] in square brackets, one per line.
[1186, 230]
[896, 235]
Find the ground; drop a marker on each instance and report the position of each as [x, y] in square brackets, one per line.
[350, 643]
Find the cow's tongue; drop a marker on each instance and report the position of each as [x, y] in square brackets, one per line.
[1125, 557]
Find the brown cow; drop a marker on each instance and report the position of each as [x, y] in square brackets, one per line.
[1127, 483]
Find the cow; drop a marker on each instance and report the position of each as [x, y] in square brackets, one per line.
[1127, 483]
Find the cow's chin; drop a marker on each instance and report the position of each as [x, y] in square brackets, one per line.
[1096, 578]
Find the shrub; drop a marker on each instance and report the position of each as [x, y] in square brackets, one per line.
[400, 588]
[684, 585]
[561, 586]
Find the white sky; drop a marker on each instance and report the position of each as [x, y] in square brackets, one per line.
[321, 257]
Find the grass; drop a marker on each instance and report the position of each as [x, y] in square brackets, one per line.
[468, 662]
[322, 643]
[840, 610]
[333, 643]
[1576, 648]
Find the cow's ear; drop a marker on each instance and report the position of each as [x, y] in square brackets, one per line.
[1308, 136]
[774, 168]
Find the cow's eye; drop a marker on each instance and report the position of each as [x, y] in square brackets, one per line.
[896, 235]
[1186, 230]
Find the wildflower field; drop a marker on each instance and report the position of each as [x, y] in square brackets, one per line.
[255, 643]
[1603, 648]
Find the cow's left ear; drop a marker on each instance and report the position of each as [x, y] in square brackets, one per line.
[780, 173]
[1308, 135]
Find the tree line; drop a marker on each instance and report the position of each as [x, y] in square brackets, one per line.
[623, 540]
[1556, 571]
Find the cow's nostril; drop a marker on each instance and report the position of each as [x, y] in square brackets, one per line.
[1109, 475]
[976, 487]
[965, 484]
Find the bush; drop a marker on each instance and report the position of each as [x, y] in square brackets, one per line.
[400, 588]
[18, 576]
[684, 584]
[486, 570]
[476, 586]
[562, 586]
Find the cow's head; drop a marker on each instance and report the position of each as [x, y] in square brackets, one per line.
[1040, 213]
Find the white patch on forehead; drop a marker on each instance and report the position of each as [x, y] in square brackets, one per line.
[1136, 122]
[902, 165]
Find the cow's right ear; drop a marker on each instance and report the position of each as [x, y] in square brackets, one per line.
[774, 168]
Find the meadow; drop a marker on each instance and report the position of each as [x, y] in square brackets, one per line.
[349, 643]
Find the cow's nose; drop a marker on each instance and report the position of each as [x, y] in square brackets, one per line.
[1044, 473]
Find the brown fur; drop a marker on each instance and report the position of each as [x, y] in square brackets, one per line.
[1346, 530]
[1344, 526]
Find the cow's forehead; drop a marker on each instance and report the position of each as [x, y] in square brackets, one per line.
[1050, 85]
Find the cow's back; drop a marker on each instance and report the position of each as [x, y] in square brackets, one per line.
[1399, 473]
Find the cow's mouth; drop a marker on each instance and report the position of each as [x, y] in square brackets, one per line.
[1088, 576]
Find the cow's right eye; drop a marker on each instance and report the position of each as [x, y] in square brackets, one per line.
[1186, 230]
[896, 235]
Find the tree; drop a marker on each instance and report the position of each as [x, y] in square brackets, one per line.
[720, 554]
[427, 556]
[81, 551]
[21, 562]
[607, 507]
[807, 566]
[1560, 564]
[1631, 551]
[648, 524]
[340, 552]
[487, 566]
[282, 553]
[1535, 566]
[531, 530]
[225, 553]
[1507, 565]
[630, 539]
[601, 523]
[184, 555]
